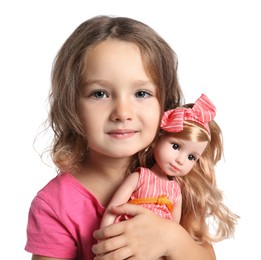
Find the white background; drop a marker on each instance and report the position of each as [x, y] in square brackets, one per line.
[218, 45]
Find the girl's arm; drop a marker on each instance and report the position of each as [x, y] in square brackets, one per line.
[185, 248]
[122, 195]
[147, 236]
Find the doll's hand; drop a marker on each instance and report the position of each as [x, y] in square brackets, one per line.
[142, 237]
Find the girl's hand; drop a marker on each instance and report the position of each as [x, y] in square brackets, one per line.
[142, 237]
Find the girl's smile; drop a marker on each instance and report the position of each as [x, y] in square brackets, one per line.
[122, 133]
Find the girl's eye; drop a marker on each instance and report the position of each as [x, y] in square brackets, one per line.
[175, 146]
[99, 94]
[192, 157]
[142, 94]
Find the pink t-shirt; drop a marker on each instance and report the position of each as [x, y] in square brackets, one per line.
[62, 219]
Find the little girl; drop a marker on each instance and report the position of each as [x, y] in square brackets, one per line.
[190, 143]
[112, 80]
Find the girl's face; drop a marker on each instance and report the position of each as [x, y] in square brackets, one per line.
[118, 102]
[176, 156]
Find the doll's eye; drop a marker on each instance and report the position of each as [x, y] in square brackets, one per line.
[191, 157]
[175, 146]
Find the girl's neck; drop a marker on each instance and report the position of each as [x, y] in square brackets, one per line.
[102, 175]
[108, 167]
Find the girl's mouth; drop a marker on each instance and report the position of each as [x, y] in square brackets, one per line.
[122, 133]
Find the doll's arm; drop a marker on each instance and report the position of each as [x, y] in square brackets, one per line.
[176, 213]
[121, 196]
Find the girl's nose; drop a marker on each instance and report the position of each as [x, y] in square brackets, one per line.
[122, 110]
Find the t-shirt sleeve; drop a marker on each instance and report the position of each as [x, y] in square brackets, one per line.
[46, 234]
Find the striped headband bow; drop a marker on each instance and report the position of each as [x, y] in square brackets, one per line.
[202, 112]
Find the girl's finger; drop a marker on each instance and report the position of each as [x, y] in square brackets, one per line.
[128, 209]
[109, 231]
[109, 245]
[119, 254]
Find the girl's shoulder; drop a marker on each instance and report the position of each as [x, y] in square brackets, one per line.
[65, 189]
[62, 212]
[61, 182]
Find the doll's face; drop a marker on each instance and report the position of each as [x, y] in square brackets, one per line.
[176, 156]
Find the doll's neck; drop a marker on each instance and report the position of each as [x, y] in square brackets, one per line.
[159, 172]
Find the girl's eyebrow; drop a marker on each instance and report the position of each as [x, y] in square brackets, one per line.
[95, 81]
[143, 82]
[138, 83]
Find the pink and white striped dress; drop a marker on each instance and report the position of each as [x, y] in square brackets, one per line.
[151, 186]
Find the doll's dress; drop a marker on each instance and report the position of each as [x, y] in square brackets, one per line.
[154, 193]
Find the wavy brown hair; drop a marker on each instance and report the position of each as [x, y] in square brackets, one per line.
[69, 146]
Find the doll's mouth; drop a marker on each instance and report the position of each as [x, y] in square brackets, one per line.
[174, 168]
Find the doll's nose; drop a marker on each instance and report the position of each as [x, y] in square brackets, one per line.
[181, 159]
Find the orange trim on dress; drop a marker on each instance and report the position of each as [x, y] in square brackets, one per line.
[161, 200]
